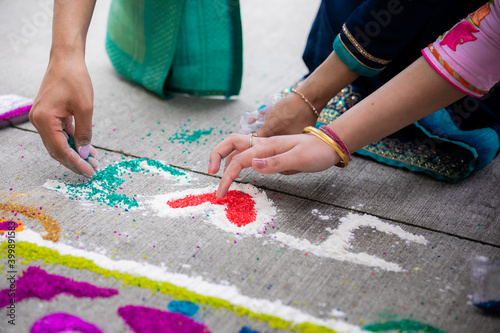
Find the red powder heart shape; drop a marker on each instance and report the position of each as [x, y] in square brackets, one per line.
[240, 206]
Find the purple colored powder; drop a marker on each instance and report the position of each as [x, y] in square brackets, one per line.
[37, 283]
[63, 322]
[4, 226]
[144, 320]
[15, 116]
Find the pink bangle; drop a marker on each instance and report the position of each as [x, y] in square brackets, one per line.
[328, 131]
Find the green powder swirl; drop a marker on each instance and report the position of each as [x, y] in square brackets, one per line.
[105, 184]
[404, 325]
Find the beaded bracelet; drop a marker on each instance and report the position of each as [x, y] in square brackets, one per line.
[306, 100]
[321, 135]
[328, 131]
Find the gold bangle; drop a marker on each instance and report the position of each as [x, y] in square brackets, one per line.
[331, 143]
[306, 100]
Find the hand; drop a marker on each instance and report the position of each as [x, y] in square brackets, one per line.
[288, 116]
[285, 154]
[66, 92]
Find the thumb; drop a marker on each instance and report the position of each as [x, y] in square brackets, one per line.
[83, 133]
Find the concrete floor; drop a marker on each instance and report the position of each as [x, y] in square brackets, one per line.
[293, 284]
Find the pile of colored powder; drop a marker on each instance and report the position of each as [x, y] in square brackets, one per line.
[37, 283]
[6, 225]
[104, 185]
[144, 320]
[404, 325]
[240, 206]
[183, 307]
[63, 322]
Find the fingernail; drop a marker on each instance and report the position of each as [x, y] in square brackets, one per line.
[259, 163]
[66, 135]
[84, 151]
[87, 176]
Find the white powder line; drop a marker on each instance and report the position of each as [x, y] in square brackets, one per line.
[197, 285]
[338, 244]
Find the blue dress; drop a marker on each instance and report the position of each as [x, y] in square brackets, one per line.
[377, 39]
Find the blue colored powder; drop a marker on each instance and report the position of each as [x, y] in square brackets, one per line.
[184, 307]
[246, 329]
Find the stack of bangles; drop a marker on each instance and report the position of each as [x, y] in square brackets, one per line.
[326, 134]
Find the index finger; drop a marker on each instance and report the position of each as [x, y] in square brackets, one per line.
[57, 145]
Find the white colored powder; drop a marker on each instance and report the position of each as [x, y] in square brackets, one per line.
[337, 245]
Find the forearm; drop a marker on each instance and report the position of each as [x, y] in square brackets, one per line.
[412, 95]
[70, 25]
[326, 81]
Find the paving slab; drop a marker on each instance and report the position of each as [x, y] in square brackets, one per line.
[296, 270]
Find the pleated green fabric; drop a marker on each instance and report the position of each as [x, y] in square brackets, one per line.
[185, 46]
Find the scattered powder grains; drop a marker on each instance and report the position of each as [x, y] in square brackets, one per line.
[63, 322]
[103, 187]
[185, 135]
[142, 319]
[240, 206]
[35, 282]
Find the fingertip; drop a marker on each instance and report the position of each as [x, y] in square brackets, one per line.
[221, 192]
[84, 151]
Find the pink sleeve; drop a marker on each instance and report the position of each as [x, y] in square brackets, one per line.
[468, 56]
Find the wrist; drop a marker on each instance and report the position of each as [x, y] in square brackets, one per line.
[65, 52]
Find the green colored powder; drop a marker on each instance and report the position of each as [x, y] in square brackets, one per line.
[32, 252]
[185, 135]
[102, 188]
[404, 325]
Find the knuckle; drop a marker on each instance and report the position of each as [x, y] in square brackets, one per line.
[35, 116]
[274, 161]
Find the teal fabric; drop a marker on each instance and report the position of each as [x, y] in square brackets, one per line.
[484, 140]
[397, 163]
[208, 57]
[351, 61]
[188, 46]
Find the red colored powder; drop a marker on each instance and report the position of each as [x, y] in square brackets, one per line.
[142, 319]
[37, 283]
[240, 206]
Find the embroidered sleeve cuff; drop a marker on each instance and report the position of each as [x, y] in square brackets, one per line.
[352, 53]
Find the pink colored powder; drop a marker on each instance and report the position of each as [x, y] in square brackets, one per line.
[63, 322]
[37, 283]
[145, 320]
[240, 206]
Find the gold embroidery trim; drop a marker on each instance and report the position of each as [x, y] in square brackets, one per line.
[361, 49]
[345, 47]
